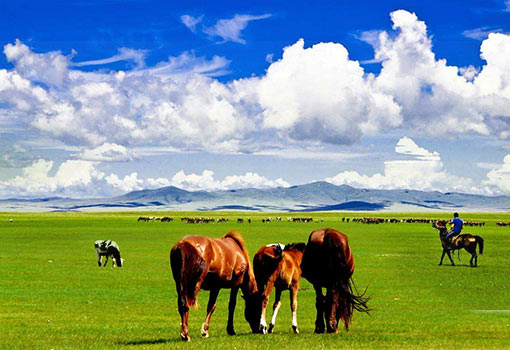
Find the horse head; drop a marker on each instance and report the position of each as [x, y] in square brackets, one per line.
[253, 311]
[440, 226]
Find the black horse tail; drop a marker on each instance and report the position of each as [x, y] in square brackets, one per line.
[479, 240]
[349, 299]
[187, 269]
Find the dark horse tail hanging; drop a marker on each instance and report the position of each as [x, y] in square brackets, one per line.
[328, 262]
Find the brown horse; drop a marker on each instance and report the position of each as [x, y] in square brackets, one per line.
[466, 241]
[277, 266]
[328, 262]
[211, 264]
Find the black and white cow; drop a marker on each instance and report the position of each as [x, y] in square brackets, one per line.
[108, 248]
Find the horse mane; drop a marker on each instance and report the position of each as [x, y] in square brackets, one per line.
[297, 246]
[249, 285]
[236, 236]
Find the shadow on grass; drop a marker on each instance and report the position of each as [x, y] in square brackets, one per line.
[461, 265]
[149, 341]
[172, 340]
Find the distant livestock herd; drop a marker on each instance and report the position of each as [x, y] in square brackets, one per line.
[375, 220]
[361, 220]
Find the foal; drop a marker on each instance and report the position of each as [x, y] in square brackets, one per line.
[278, 266]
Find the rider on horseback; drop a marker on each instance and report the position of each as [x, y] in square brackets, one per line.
[457, 227]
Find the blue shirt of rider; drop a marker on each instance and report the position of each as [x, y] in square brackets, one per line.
[457, 227]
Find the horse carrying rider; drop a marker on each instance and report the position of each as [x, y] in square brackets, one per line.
[456, 227]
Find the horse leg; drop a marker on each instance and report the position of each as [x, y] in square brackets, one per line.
[184, 312]
[450, 256]
[211, 306]
[293, 307]
[330, 310]
[319, 305]
[105, 260]
[231, 309]
[442, 256]
[276, 307]
[474, 256]
[265, 301]
[98, 259]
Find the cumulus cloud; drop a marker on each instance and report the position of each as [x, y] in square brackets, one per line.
[174, 103]
[424, 172]
[498, 178]
[50, 68]
[206, 181]
[108, 152]
[71, 177]
[83, 179]
[312, 95]
[319, 94]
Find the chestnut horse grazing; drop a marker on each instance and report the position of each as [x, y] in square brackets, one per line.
[211, 264]
[278, 266]
[328, 262]
[465, 240]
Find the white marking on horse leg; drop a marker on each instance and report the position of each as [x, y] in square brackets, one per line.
[275, 312]
[294, 322]
[263, 324]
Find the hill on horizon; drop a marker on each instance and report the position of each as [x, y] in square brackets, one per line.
[315, 196]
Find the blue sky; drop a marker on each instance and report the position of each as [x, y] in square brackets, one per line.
[102, 97]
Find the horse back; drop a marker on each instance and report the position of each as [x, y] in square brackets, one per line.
[327, 257]
[225, 261]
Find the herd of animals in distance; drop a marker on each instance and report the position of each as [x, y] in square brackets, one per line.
[326, 261]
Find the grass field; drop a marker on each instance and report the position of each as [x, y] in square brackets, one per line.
[54, 296]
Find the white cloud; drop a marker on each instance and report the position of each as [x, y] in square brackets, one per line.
[49, 68]
[173, 104]
[127, 184]
[206, 181]
[312, 95]
[83, 179]
[498, 179]
[124, 54]
[424, 172]
[319, 94]
[480, 33]
[226, 29]
[71, 177]
[191, 22]
[108, 152]
[231, 29]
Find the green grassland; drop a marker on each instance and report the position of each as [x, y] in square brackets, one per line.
[54, 296]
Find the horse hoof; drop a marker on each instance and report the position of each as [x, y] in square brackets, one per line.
[319, 330]
[231, 332]
[270, 329]
[185, 337]
[295, 329]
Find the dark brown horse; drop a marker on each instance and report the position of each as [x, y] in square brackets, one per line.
[466, 241]
[328, 262]
[211, 264]
[277, 266]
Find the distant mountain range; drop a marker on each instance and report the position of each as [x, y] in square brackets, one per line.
[316, 196]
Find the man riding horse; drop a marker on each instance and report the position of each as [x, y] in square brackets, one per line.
[457, 224]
